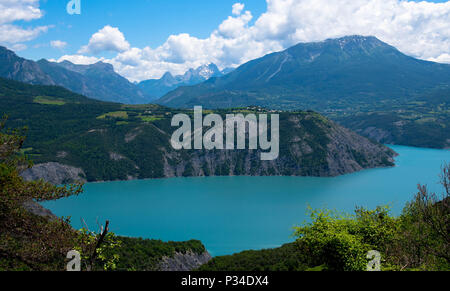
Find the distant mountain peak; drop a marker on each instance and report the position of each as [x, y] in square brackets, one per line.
[203, 72]
[16, 68]
[4, 49]
[355, 37]
[208, 71]
[346, 41]
[5, 52]
[341, 49]
[359, 40]
[363, 42]
[103, 66]
[167, 75]
[168, 82]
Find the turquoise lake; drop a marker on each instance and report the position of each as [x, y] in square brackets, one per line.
[232, 214]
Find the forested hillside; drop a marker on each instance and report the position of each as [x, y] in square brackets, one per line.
[111, 141]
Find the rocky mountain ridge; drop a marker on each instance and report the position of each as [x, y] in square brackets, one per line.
[168, 82]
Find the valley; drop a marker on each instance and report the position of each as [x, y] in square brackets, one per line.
[344, 106]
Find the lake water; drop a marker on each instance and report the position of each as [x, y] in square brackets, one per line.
[231, 214]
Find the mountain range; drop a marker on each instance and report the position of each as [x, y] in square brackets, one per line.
[361, 82]
[333, 74]
[99, 80]
[336, 74]
[168, 82]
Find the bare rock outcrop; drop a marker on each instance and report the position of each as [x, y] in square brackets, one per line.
[54, 173]
[184, 262]
[38, 209]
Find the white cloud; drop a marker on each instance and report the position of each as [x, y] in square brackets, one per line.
[19, 10]
[14, 34]
[131, 57]
[234, 26]
[420, 29]
[444, 58]
[18, 47]
[13, 10]
[58, 44]
[78, 59]
[106, 39]
[237, 8]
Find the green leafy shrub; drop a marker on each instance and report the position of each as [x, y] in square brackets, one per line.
[333, 240]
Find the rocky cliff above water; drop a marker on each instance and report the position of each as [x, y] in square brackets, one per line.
[310, 145]
[54, 173]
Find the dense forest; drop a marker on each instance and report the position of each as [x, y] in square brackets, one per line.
[421, 122]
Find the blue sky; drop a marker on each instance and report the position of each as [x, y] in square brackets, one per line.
[144, 22]
[145, 38]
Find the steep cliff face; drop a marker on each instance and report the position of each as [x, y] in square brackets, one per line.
[54, 173]
[310, 145]
[188, 261]
[16, 68]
